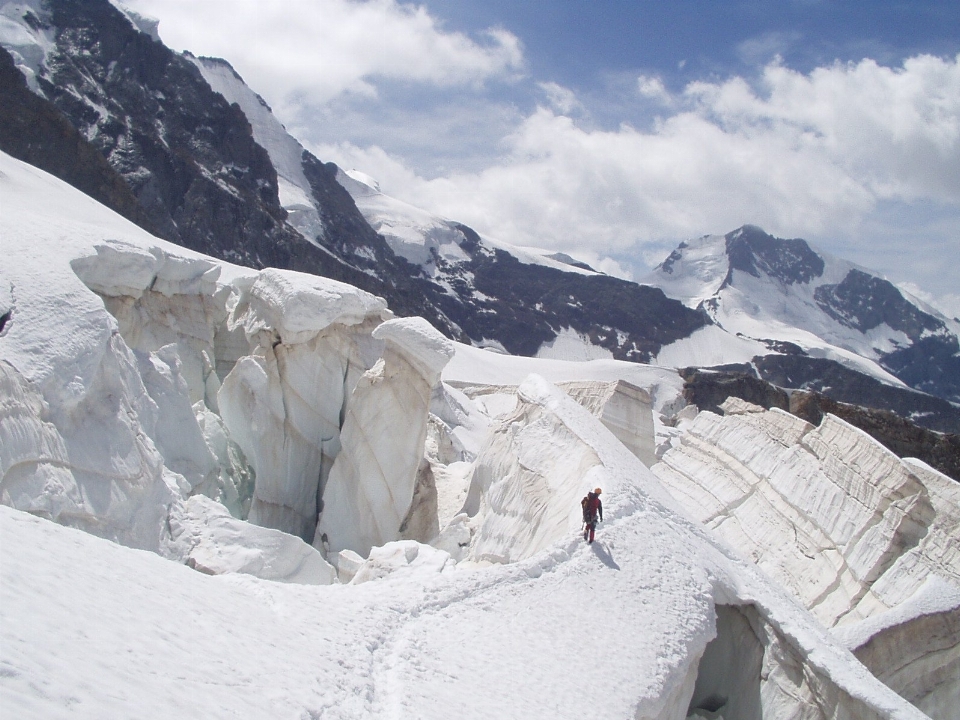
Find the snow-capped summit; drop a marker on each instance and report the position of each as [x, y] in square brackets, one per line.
[782, 296]
[698, 269]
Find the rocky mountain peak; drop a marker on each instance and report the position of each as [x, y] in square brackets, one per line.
[755, 252]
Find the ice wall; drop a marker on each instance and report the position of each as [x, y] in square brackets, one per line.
[169, 310]
[285, 403]
[115, 344]
[768, 657]
[75, 415]
[839, 521]
[89, 465]
[624, 408]
[159, 299]
[525, 494]
[370, 491]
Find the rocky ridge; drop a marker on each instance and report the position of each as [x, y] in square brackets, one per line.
[201, 179]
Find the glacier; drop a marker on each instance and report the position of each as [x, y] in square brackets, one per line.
[374, 538]
[871, 533]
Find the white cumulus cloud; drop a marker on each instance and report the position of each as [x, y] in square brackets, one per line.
[799, 154]
[313, 50]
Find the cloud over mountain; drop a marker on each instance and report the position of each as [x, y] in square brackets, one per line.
[311, 51]
[812, 154]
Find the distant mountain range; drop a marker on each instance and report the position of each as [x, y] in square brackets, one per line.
[800, 318]
[181, 146]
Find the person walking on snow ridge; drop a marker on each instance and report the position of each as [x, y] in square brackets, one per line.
[592, 511]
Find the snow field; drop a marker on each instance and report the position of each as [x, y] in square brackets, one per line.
[93, 629]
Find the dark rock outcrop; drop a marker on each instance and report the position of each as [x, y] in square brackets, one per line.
[756, 253]
[863, 302]
[842, 384]
[33, 130]
[188, 156]
[707, 389]
[528, 305]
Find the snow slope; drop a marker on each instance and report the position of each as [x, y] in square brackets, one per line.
[93, 629]
[505, 640]
[419, 235]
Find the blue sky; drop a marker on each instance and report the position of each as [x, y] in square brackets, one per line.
[613, 130]
[577, 42]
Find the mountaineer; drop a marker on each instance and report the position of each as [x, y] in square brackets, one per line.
[592, 512]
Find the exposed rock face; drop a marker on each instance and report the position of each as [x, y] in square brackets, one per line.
[708, 389]
[863, 302]
[194, 173]
[198, 174]
[928, 362]
[845, 385]
[198, 154]
[371, 487]
[32, 129]
[524, 306]
[753, 251]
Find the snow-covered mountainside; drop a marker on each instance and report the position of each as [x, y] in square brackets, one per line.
[211, 168]
[245, 471]
[213, 414]
[782, 299]
[181, 146]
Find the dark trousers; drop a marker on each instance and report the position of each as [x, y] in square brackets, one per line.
[589, 530]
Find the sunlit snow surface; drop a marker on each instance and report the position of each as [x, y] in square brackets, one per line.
[92, 629]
